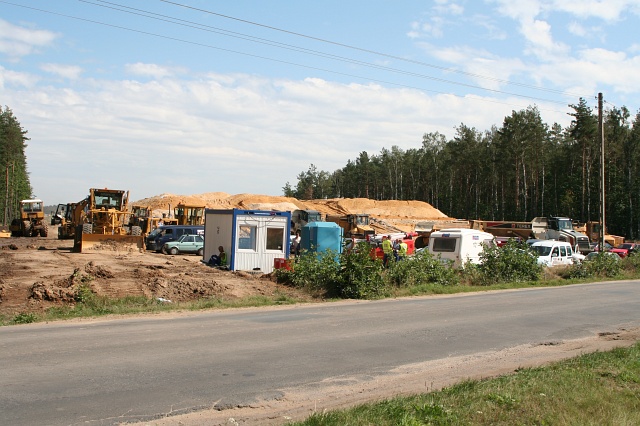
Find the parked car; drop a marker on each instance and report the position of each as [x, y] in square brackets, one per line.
[185, 244]
[625, 249]
[553, 253]
[596, 246]
[591, 256]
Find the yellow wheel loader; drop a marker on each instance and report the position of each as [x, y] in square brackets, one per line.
[31, 222]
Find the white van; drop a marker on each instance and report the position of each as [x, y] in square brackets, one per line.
[460, 245]
[553, 253]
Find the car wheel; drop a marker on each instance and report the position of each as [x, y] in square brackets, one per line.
[164, 250]
[200, 252]
[173, 251]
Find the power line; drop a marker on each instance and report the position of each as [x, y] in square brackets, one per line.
[270, 59]
[191, 24]
[386, 55]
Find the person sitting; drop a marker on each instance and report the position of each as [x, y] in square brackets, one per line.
[220, 259]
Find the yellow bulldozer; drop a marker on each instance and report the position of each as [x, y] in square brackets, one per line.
[31, 222]
[142, 217]
[104, 220]
[188, 214]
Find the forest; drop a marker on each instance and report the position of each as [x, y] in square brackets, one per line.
[523, 169]
[15, 184]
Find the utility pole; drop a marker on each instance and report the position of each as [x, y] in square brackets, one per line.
[602, 196]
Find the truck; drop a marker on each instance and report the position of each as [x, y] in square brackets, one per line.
[561, 229]
[31, 222]
[354, 225]
[104, 220]
[543, 228]
[593, 228]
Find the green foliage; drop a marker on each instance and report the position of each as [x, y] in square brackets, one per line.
[421, 269]
[314, 272]
[13, 166]
[513, 262]
[360, 276]
[24, 318]
[601, 266]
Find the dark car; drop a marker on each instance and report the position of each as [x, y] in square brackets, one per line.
[164, 234]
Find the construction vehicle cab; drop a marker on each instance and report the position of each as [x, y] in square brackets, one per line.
[355, 225]
[189, 215]
[560, 229]
[31, 222]
[300, 218]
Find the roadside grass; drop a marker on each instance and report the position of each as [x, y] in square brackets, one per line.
[90, 305]
[601, 388]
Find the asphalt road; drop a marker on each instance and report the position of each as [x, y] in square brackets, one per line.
[107, 372]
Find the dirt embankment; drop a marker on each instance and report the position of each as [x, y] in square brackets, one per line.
[38, 273]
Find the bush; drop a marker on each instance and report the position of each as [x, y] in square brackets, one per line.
[513, 262]
[601, 266]
[360, 276]
[421, 269]
[317, 273]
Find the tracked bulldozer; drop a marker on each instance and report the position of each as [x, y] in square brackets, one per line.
[104, 220]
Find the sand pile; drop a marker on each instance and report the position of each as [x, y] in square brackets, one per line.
[397, 214]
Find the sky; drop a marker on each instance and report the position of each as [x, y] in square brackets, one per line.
[194, 96]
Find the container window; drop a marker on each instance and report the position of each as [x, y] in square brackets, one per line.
[444, 245]
[247, 237]
[275, 237]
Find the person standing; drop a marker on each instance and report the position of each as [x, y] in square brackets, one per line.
[402, 250]
[387, 250]
[295, 244]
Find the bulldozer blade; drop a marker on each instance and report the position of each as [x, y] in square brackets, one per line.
[107, 242]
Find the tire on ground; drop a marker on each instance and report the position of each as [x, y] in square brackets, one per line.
[44, 231]
[173, 251]
[136, 230]
[200, 252]
[26, 228]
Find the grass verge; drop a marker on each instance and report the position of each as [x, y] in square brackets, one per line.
[601, 388]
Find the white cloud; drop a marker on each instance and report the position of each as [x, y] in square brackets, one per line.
[577, 29]
[607, 10]
[152, 70]
[16, 41]
[71, 72]
[14, 78]
[232, 133]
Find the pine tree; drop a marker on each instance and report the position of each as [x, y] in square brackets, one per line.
[14, 185]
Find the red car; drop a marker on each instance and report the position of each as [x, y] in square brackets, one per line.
[625, 249]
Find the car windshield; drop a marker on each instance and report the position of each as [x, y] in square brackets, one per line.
[542, 250]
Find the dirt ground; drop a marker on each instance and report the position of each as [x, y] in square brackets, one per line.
[38, 273]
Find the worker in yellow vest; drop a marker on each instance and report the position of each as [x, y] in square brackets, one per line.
[402, 251]
[387, 249]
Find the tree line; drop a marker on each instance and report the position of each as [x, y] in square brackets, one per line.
[518, 171]
[14, 184]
